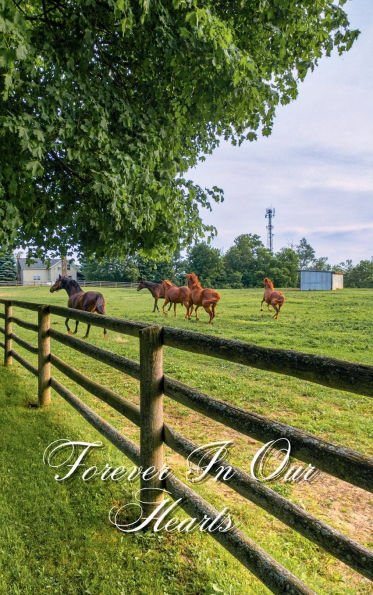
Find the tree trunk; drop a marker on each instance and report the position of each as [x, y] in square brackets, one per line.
[64, 266]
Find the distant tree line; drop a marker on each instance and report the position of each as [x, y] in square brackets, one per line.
[245, 264]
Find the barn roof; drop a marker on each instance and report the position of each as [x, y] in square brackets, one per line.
[318, 271]
[37, 263]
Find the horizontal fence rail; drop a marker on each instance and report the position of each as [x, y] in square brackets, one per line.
[330, 372]
[334, 373]
[124, 284]
[334, 459]
[22, 323]
[126, 446]
[271, 573]
[24, 343]
[347, 550]
[103, 355]
[122, 405]
[26, 364]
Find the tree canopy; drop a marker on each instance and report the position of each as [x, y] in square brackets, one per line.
[106, 104]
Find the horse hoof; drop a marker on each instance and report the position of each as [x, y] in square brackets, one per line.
[70, 332]
[106, 337]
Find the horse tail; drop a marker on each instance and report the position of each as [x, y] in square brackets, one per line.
[214, 298]
[100, 304]
[280, 300]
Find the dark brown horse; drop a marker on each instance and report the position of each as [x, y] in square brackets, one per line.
[177, 295]
[90, 301]
[271, 297]
[156, 289]
[208, 298]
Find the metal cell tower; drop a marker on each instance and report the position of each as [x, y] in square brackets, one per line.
[270, 214]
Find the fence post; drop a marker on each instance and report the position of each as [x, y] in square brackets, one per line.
[8, 334]
[151, 408]
[44, 351]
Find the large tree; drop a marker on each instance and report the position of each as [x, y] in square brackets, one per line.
[8, 267]
[207, 263]
[306, 254]
[250, 258]
[106, 104]
[285, 268]
[360, 275]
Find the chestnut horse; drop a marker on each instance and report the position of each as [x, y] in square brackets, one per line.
[208, 298]
[271, 297]
[156, 289]
[90, 301]
[177, 295]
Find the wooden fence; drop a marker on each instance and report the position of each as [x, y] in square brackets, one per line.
[337, 460]
[123, 284]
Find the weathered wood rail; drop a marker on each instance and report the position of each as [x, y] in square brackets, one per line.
[337, 460]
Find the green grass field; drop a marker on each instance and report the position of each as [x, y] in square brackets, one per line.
[56, 537]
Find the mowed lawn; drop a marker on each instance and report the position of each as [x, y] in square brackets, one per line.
[56, 537]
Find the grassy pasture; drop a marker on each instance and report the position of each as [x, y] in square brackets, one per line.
[57, 538]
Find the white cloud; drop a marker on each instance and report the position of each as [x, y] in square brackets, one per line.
[316, 168]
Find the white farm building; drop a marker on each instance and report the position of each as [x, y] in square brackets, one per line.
[37, 272]
[320, 280]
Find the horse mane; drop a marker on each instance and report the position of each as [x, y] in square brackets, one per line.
[269, 283]
[72, 283]
[195, 280]
[167, 282]
[149, 283]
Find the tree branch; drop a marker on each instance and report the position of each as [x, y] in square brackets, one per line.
[66, 168]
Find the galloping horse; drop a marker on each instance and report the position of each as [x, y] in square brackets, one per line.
[271, 297]
[156, 289]
[208, 298]
[177, 295]
[90, 301]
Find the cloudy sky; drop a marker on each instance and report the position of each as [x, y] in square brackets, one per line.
[316, 168]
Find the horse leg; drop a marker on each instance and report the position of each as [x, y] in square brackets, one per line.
[106, 336]
[196, 313]
[175, 309]
[155, 305]
[207, 308]
[76, 327]
[261, 304]
[170, 306]
[213, 306]
[277, 311]
[67, 326]
[165, 304]
[87, 331]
